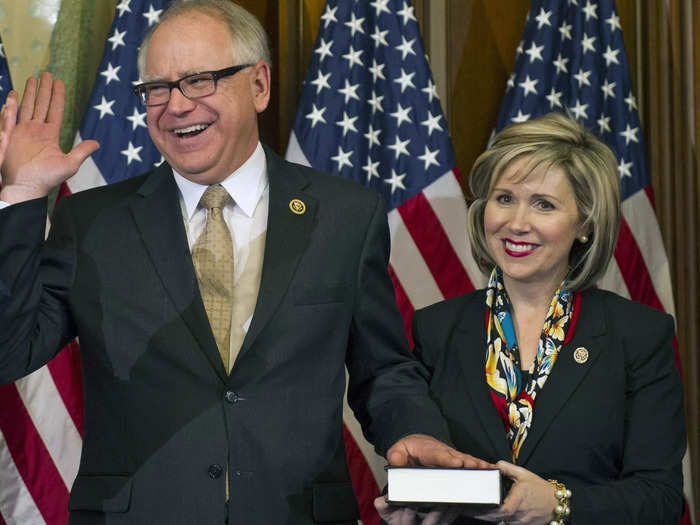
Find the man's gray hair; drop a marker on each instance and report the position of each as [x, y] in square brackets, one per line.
[248, 38]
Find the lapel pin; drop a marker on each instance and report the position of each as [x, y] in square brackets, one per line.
[580, 355]
[298, 207]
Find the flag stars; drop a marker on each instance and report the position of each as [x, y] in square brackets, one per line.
[528, 85]
[2, 50]
[560, 64]
[137, 119]
[582, 78]
[554, 99]
[603, 124]
[624, 169]
[579, 110]
[316, 115]
[406, 47]
[152, 15]
[543, 18]
[371, 169]
[105, 107]
[111, 73]
[608, 89]
[401, 115]
[379, 37]
[519, 49]
[396, 181]
[372, 136]
[342, 158]
[347, 123]
[614, 22]
[324, 50]
[406, 13]
[520, 117]
[631, 102]
[321, 81]
[329, 15]
[429, 158]
[535, 52]
[353, 57]
[117, 39]
[132, 153]
[610, 56]
[355, 25]
[380, 7]
[377, 70]
[400, 146]
[405, 80]
[510, 83]
[565, 31]
[350, 91]
[432, 123]
[376, 102]
[587, 43]
[123, 7]
[630, 134]
[590, 10]
[431, 90]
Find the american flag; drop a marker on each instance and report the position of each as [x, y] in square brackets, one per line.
[572, 59]
[370, 112]
[41, 421]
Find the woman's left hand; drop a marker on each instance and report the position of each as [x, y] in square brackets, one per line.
[531, 500]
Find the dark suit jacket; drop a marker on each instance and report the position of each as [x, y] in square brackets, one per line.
[163, 421]
[612, 429]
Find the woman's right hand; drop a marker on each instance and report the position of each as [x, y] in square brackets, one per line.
[32, 160]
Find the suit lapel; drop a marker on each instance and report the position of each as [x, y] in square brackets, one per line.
[286, 240]
[566, 374]
[469, 343]
[159, 220]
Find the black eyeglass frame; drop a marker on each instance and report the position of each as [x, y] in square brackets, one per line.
[140, 90]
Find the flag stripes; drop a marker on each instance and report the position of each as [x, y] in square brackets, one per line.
[32, 461]
[434, 246]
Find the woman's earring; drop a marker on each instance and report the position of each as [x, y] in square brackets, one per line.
[583, 239]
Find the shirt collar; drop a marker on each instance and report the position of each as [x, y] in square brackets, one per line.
[245, 185]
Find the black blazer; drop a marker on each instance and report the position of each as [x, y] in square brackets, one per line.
[163, 421]
[612, 429]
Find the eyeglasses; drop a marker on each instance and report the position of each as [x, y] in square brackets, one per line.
[193, 86]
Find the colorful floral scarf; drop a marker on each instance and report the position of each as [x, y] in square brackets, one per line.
[513, 394]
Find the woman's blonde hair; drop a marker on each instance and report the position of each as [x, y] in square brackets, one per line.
[555, 141]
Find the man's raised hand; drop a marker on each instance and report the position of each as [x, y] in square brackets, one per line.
[33, 161]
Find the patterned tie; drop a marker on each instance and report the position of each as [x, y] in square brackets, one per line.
[212, 255]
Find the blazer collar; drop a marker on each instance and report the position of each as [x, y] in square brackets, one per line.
[288, 234]
[470, 344]
[567, 373]
[159, 219]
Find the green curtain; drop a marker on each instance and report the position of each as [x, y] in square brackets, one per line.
[76, 47]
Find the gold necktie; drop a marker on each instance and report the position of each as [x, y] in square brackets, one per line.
[212, 255]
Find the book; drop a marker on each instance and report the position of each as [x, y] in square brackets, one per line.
[431, 486]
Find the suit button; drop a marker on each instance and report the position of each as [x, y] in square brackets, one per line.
[231, 397]
[215, 471]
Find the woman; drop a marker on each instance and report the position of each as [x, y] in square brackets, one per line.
[541, 372]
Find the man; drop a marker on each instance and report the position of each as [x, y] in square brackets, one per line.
[214, 335]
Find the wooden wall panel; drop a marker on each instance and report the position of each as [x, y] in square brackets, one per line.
[482, 37]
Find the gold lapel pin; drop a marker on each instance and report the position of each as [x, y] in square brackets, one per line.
[580, 355]
[298, 207]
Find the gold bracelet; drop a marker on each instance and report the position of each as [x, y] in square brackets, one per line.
[562, 510]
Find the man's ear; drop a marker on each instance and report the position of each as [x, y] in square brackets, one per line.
[260, 85]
